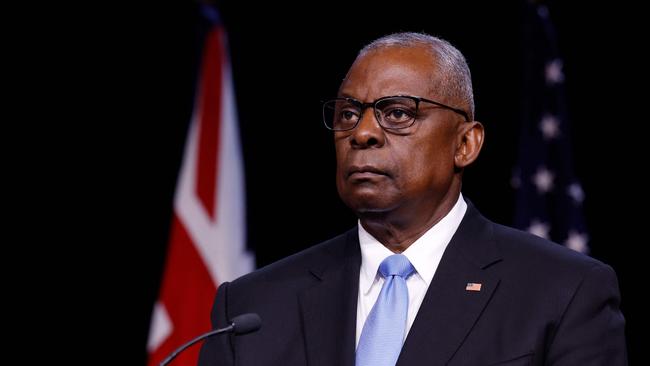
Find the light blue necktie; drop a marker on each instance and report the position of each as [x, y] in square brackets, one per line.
[382, 335]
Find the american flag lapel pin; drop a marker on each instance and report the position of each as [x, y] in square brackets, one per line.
[471, 286]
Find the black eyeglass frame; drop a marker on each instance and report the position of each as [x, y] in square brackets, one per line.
[363, 106]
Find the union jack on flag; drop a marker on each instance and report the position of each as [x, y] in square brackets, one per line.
[207, 242]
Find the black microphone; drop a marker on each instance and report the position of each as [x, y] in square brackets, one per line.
[241, 324]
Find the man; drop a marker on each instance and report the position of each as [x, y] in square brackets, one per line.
[466, 291]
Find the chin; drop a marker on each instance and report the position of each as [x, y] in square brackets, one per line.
[367, 203]
[368, 196]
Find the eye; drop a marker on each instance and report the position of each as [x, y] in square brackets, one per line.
[396, 112]
[348, 115]
[397, 115]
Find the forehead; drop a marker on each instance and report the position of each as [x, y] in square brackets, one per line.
[391, 71]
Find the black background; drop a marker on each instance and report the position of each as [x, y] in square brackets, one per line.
[299, 53]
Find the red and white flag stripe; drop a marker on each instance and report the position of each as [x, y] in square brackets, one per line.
[207, 243]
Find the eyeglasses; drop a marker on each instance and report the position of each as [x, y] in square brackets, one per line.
[393, 113]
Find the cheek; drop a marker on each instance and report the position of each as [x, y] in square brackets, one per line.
[340, 156]
[340, 153]
[428, 164]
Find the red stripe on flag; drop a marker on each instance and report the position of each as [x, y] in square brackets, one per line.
[209, 100]
[187, 293]
[188, 287]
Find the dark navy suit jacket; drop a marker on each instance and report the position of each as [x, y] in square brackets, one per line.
[539, 304]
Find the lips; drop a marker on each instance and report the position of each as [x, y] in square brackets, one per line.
[365, 170]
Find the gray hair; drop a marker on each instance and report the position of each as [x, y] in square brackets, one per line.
[454, 81]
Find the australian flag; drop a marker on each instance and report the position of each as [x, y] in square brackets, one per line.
[549, 197]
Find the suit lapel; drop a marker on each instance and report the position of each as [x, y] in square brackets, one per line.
[449, 310]
[329, 307]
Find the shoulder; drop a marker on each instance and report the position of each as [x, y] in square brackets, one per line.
[544, 277]
[532, 251]
[519, 250]
[299, 265]
[523, 258]
[538, 265]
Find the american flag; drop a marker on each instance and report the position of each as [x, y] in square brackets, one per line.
[549, 196]
[207, 242]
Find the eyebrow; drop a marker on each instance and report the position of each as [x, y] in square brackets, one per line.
[395, 94]
[345, 95]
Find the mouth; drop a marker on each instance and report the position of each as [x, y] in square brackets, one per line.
[365, 171]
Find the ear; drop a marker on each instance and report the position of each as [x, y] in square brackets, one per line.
[469, 143]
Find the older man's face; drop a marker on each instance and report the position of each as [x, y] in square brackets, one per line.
[408, 170]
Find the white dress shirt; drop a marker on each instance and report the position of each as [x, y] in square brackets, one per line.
[425, 254]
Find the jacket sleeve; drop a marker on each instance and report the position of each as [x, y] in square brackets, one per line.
[591, 329]
[217, 350]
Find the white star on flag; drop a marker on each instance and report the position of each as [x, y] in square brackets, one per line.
[549, 198]
[543, 180]
[539, 228]
[553, 72]
[577, 241]
[550, 127]
[575, 191]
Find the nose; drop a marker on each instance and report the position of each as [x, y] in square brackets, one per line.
[368, 132]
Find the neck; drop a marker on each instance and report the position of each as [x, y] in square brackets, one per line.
[400, 228]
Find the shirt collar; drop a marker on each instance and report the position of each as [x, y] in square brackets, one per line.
[425, 253]
[372, 254]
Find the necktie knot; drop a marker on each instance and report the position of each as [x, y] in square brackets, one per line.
[396, 265]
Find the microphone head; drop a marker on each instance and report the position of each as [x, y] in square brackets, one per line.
[246, 323]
